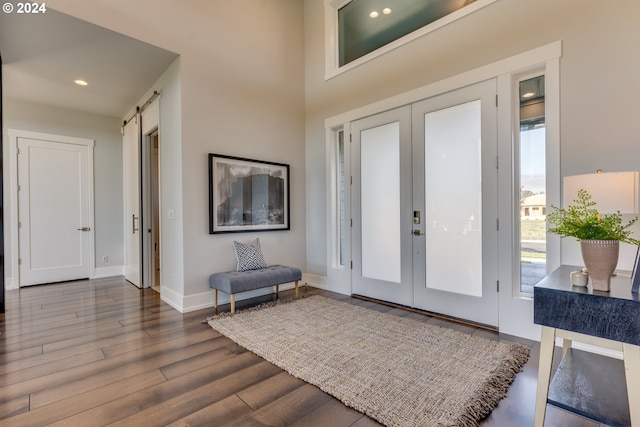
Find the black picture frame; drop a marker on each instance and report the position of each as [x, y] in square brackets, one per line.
[247, 195]
[635, 275]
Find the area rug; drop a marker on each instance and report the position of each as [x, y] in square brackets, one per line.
[398, 371]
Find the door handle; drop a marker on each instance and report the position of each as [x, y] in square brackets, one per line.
[418, 233]
[133, 223]
[84, 229]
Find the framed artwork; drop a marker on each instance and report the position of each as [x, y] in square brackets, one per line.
[247, 195]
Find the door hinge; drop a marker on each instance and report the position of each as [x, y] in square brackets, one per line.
[496, 100]
[351, 222]
[351, 180]
[19, 188]
[497, 285]
[497, 162]
[18, 151]
[498, 224]
[19, 261]
[19, 224]
[351, 265]
[350, 138]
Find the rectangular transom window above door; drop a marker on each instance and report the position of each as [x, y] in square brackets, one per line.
[359, 30]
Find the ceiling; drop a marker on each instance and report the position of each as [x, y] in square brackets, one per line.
[43, 54]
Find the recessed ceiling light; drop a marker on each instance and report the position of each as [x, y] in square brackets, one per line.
[81, 82]
[386, 11]
[374, 14]
[528, 95]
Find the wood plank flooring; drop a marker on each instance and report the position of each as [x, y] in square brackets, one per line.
[103, 352]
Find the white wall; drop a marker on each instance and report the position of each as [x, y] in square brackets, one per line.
[242, 94]
[105, 131]
[170, 166]
[597, 82]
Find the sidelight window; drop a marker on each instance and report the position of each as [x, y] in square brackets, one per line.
[533, 182]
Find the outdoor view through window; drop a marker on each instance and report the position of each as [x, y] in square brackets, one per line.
[533, 200]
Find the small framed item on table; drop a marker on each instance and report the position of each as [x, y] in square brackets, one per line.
[635, 275]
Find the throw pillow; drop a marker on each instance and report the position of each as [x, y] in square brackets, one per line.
[249, 256]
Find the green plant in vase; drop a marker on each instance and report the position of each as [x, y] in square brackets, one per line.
[599, 236]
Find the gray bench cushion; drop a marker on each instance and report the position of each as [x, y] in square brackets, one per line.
[232, 282]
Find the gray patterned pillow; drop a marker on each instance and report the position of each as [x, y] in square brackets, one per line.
[249, 256]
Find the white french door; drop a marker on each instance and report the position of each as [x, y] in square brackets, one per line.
[424, 204]
[381, 153]
[455, 182]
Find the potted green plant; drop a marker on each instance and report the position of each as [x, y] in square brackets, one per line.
[599, 236]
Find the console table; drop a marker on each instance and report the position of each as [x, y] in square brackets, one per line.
[605, 319]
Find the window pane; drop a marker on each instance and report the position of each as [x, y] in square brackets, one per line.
[454, 223]
[342, 224]
[380, 195]
[533, 200]
[366, 25]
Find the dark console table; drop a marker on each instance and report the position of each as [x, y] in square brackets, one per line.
[584, 384]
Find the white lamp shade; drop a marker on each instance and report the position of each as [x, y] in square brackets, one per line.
[612, 191]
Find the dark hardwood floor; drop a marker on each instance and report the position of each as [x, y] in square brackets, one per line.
[102, 352]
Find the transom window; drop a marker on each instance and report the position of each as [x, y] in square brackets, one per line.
[358, 30]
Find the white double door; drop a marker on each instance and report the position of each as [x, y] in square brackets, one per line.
[424, 204]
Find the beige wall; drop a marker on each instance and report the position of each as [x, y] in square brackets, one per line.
[599, 81]
[252, 84]
[242, 94]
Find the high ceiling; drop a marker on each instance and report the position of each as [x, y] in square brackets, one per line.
[43, 54]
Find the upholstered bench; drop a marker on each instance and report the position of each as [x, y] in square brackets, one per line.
[233, 282]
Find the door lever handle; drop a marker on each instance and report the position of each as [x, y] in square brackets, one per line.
[84, 229]
[418, 233]
[133, 223]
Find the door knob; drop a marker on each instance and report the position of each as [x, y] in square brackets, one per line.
[84, 229]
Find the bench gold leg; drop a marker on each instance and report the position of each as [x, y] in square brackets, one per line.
[277, 290]
[233, 303]
[296, 289]
[215, 299]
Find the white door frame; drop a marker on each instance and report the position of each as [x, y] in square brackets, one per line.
[150, 124]
[13, 282]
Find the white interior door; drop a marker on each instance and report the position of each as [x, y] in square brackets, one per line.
[54, 211]
[455, 189]
[381, 196]
[131, 140]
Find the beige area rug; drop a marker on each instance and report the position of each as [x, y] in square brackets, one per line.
[398, 371]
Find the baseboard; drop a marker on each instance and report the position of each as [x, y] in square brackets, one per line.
[116, 270]
[205, 300]
[602, 351]
[9, 284]
[316, 281]
[172, 298]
